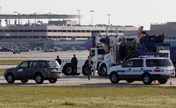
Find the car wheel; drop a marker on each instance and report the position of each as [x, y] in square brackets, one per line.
[103, 70]
[67, 70]
[53, 80]
[129, 81]
[147, 79]
[114, 78]
[99, 73]
[24, 80]
[39, 79]
[84, 70]
[10, 78]
[162, 81]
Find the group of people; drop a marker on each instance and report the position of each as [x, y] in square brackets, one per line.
[74, 63]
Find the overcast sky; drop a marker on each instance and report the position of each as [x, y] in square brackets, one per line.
[123, 12]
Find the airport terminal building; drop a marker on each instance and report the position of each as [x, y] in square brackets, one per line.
[55, 33]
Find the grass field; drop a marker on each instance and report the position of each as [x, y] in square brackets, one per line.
[10, 62]
[88, 97]
[2, 72]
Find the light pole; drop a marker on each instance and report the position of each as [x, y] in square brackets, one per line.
[79, 20]
[18, 18]
[109, 19]
[15, 18]
[49, 15]
[35, 17]
[92, 16]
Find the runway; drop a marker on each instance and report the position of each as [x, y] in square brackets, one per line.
[83, 80]
[67, 80]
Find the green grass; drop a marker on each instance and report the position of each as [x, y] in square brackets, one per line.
[10, 62]
[88, 97]
[2, 72]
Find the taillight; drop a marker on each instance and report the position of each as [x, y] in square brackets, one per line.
[60, 69]
[174, 69]
[157, 69]
[46, 69]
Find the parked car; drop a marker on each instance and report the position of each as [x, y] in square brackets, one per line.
[39, 70]
[143, 69]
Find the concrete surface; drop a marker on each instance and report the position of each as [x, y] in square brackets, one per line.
[83, 80]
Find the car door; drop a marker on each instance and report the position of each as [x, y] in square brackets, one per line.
[126, 69]
[137, 69]
[30, 69]
[21, 70]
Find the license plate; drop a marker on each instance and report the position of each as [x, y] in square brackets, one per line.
[54, 70]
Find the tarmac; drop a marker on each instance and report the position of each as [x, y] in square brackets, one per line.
[67, 80]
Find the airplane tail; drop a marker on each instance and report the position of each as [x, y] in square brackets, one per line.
[140, 30]
[88, 44]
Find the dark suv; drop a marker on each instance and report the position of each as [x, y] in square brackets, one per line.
[39, 70]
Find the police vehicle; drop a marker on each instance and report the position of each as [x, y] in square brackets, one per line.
[146, 69]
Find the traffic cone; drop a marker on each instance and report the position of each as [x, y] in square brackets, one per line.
[170, 83]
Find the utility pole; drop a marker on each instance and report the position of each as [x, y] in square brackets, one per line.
[91, 16]
[79, 20]
[109, 19]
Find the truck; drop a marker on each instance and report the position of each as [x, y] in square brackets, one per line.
[101, 52]
[110, 51]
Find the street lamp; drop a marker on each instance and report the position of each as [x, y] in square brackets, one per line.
[109, 19]
[92, 16]
[35, 16]
[79, 22]
[18, 16]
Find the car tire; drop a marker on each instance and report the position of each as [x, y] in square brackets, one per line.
[24, 80]
[129, 81]
[99, 73]
[67, 70]
[10, 78]
[84, 70]
[162, 81]
[147, 79]
[103, 70]
[39, 79]
[114, 78]
[53, 80]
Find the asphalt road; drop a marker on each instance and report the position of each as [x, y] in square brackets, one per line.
[83, 80]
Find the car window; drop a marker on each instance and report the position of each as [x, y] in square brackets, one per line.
[129, 64]
[33, 64]
[53, 63]
[23, 65]
[158, 62]
[42, 64]
[138, 63]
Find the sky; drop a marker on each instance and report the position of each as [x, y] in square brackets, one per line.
[122, 12]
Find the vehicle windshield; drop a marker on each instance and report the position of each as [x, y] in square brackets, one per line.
[54, 64]
[158, 62]
[101, 51]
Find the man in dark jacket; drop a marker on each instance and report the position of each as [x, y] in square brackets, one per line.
[58, 60]
[74, 63]
[88, 65]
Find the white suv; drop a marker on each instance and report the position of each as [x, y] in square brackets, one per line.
[143, 69]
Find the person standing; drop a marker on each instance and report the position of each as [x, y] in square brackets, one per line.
[74, 63]
[58, 60]
[88, 65]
